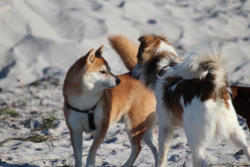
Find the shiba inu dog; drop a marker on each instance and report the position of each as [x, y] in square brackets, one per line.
[192, 92]
[94, 98]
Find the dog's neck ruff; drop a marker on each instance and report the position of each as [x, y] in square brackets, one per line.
[90, 114]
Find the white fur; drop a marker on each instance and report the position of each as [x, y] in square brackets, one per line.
[202, 121]
[163, 63]
[79, 121]
[190, 67]
[166, 47]
[166, 125]
[86, 101]
[209, 121]
[95, 81]
[187, 69]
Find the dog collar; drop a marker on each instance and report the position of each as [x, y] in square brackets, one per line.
[90, 115]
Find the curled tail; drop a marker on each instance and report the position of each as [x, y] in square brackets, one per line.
[206, 65]
[126, 49]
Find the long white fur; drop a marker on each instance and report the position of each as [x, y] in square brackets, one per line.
[211, 120]
[163, 62]
[166, 47]
[190, 67]
[202, 121]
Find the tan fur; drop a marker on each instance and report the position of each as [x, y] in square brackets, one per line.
[125, 48]
[125, 96]
[147, 50]
[71, 82]
[128, 51]
[137, 110]
[150, 44]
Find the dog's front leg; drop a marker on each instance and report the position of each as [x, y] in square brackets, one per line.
[76, 141]
[98, 138]
[165, 135]
[166, 128]
[76, 125]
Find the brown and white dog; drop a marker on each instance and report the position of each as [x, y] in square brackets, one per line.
[93, 100]
[193, 92]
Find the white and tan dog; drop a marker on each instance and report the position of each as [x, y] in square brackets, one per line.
[91, 105]
[192, 92]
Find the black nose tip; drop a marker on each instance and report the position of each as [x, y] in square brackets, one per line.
[118, 81]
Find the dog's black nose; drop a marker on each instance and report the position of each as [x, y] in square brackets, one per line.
[117, 81]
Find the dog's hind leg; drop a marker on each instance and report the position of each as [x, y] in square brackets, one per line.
[199, 159]
[135, 149]
[139, 127]
[239, 138]
[149, 139]
[197, 145]
[136, 131]
[198, 129]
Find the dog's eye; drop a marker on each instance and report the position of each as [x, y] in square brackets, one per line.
[172, 64]
[102, 71]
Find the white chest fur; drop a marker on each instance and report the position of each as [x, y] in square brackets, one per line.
[84, 102]
[81, 121]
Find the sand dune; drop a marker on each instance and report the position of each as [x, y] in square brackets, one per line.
[43, 33]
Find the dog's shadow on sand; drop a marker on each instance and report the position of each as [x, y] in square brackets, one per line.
[5, 164]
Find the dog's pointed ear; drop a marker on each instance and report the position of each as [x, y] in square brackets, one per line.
[99, 51]
[91, 56]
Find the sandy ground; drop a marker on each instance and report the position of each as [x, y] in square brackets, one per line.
[40, 39]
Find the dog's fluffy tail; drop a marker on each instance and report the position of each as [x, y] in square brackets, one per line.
[126, 49]
[205, 64]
